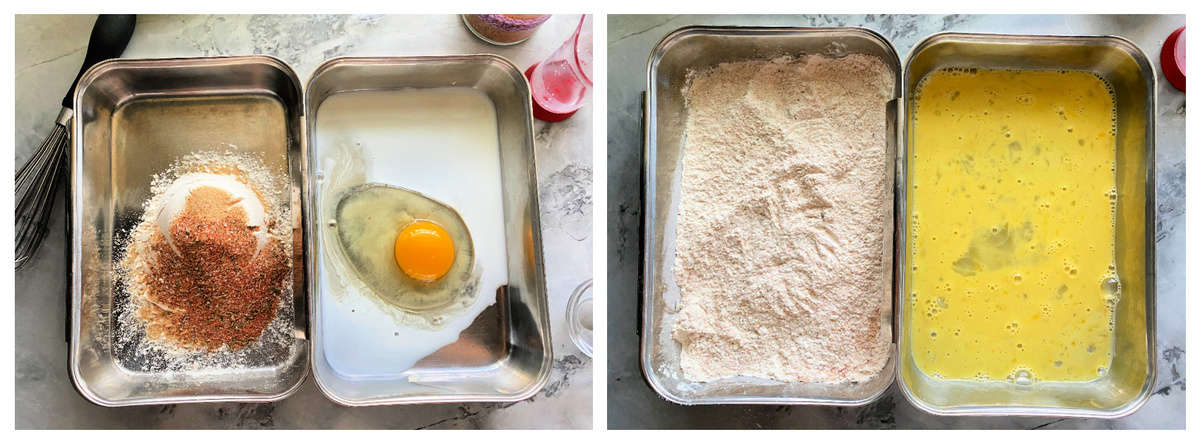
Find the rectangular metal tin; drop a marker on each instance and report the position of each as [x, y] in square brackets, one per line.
[699, 47]
[506, 355]
[112, 161]
[1127, 385]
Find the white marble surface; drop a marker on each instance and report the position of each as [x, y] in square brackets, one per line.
[631, 404]
[49, 50]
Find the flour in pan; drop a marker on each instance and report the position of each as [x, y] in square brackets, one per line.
[784, 221]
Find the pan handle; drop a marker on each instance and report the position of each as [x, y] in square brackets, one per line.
[898, 213]
[70, 190]
[301, 294]
[641, 233]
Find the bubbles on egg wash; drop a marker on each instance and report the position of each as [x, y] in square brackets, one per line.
[1050, 145]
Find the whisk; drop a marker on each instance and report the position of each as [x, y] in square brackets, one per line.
[37, 181]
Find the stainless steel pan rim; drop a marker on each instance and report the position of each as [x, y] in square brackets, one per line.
[1151, 211]
[649, 166]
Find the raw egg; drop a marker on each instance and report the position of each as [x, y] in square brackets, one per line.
[409, 250]
[424, 251]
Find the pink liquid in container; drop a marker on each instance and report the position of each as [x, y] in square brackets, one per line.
[560, 83]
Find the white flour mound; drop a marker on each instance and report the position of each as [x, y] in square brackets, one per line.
[784, 220]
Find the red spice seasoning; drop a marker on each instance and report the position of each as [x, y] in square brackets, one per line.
[217, 291]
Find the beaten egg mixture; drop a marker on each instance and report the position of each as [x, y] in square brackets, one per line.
[1011, 225]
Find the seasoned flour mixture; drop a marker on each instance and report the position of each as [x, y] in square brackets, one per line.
[784, 221]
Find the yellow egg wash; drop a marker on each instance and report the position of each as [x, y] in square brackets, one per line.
[1011, 202]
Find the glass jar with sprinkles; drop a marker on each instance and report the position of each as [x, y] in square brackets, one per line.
[504, 29]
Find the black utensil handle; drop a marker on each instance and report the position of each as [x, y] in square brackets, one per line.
[110, 35]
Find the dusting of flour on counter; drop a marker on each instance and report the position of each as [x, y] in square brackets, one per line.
[784, 220]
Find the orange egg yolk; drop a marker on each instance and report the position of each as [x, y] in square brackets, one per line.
[424, 251]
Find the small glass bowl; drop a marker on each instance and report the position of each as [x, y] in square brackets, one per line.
[579, 317]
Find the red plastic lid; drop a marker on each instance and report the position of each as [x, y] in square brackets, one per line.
[541, 113]
[1173, 60]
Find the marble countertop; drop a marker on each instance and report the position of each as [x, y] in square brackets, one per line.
[631, 403]
[49, 50]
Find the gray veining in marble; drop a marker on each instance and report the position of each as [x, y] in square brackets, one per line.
[631, 404]
[48, 52]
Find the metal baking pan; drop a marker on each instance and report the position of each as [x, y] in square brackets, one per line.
[132, 119]
[701, 47]
[505, 354]
[1131, 377]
